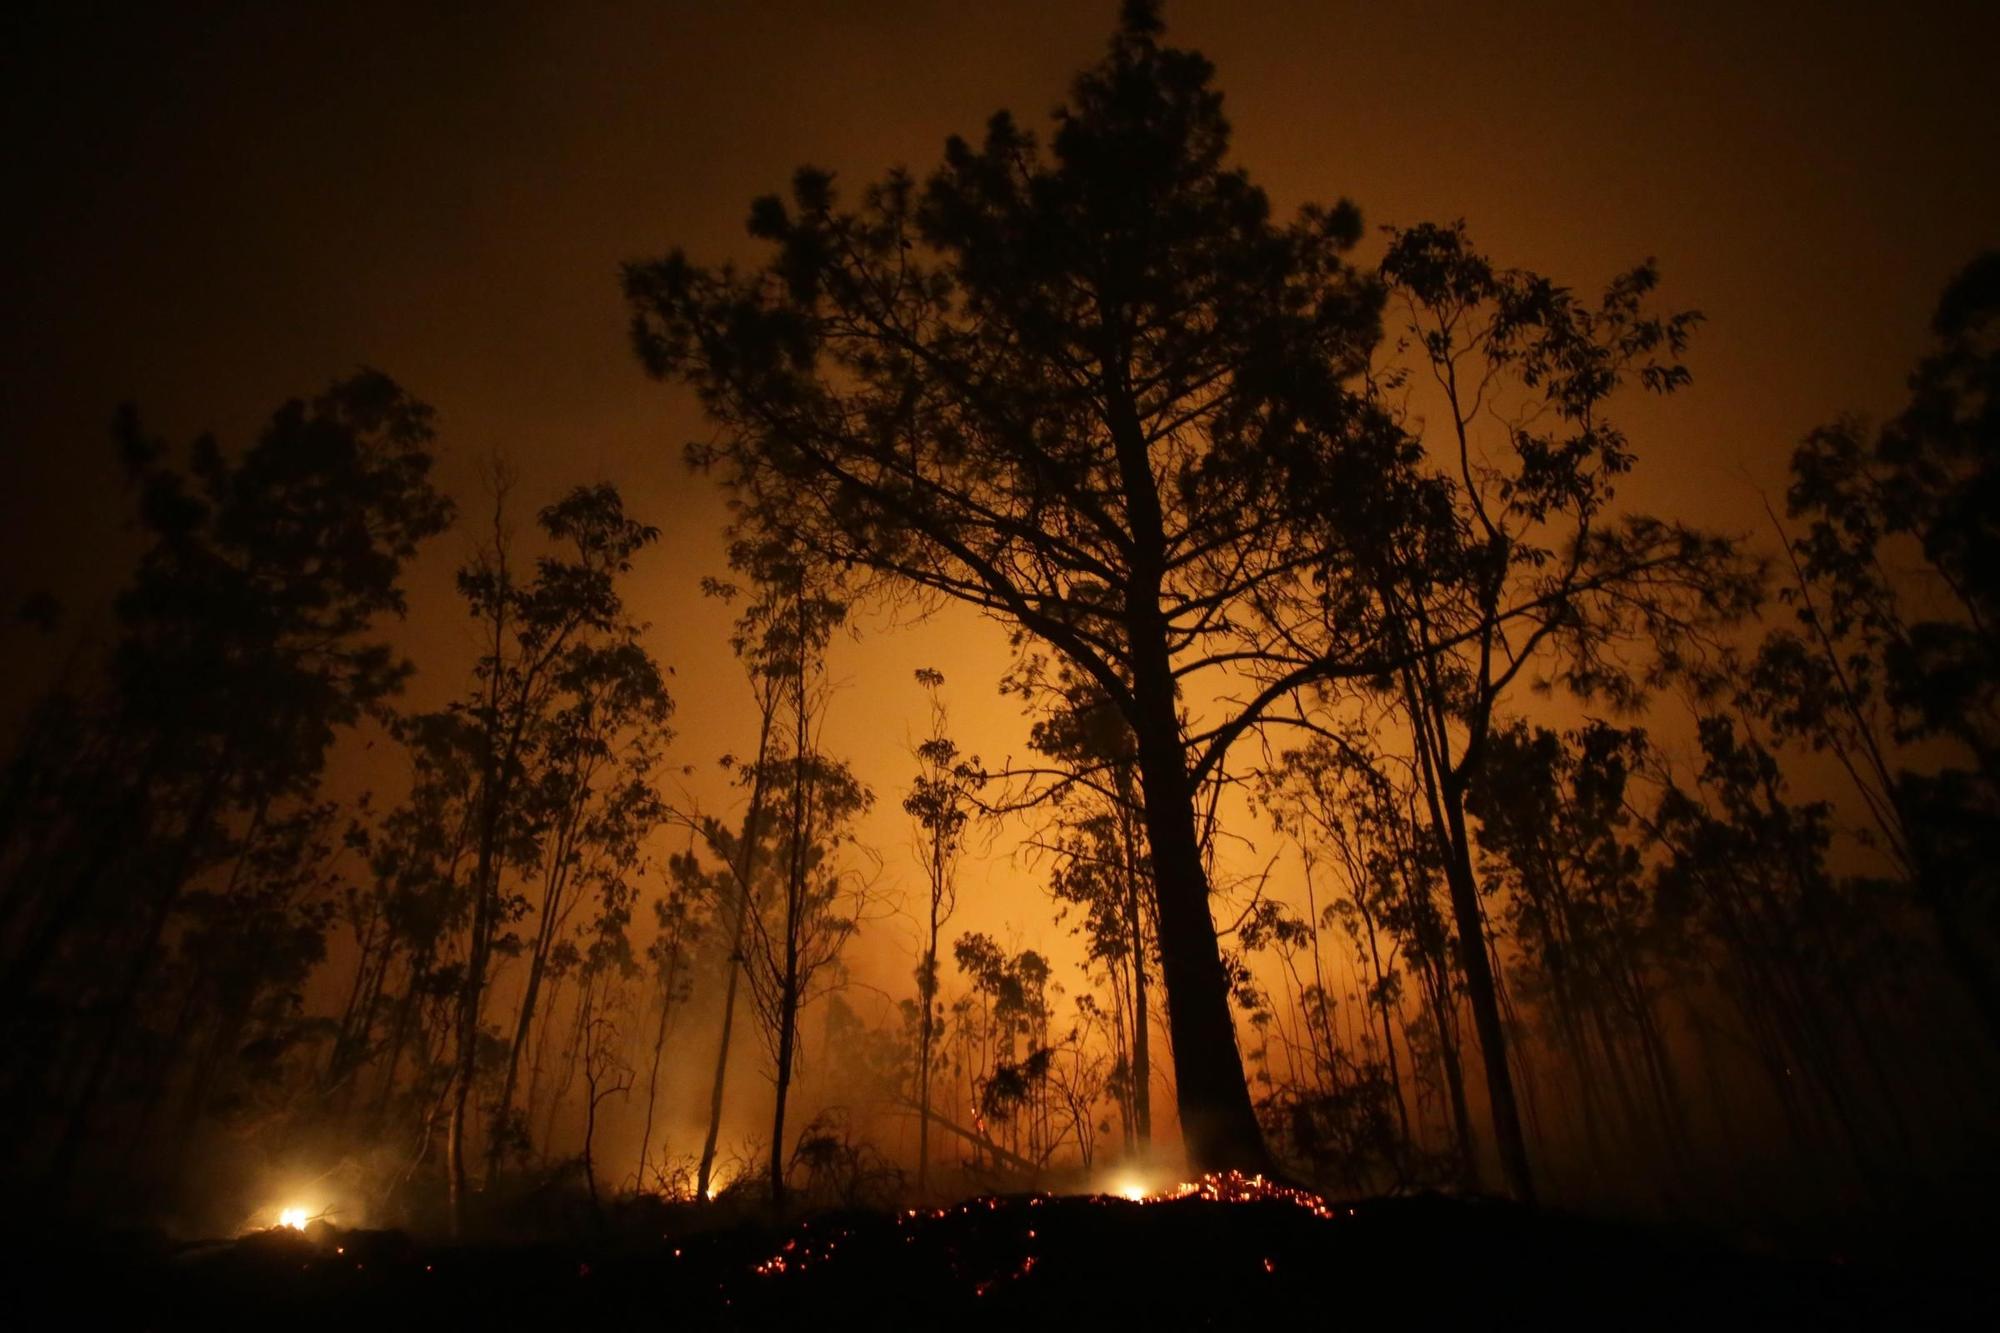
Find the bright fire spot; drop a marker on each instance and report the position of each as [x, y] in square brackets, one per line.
[1131, 1189]
[295, 1218]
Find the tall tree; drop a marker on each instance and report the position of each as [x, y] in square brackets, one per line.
[1077, 389]
[591, 807]
[1524, 572]
[812, 907]
[939, 804]
[538, 633]
[769, 634]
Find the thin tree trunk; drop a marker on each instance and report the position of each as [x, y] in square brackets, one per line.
[746, 866]
[553, 885]
[659, 1045]
[795, 902]
[1442, 789]
[1461, 1113]
[1142, 1062]
[926, 1035]
[787, 1035]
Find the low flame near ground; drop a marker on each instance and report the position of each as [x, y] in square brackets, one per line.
[1225, 1187]
[810, 1248]
[1234, 1187]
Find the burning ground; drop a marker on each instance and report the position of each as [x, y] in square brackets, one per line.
[1226, 1252]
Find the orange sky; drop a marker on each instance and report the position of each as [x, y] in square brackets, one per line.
[221, 208]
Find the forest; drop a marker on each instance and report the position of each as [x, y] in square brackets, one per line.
[1391, 807]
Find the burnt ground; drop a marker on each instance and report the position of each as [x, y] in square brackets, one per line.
[1018, 1262]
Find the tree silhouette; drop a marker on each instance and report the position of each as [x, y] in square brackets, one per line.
[758, 642]
[1554, 834]
[1894, 664]
[245, 642]
[591, 807]
[1077, 389]
[553, 644]
[1513, 567]
[939, 804]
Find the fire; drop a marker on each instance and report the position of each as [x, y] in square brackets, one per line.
[1228, 1187]
[294, 1217]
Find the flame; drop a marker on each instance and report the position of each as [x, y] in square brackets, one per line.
[1228, 1187]
[294, 1217]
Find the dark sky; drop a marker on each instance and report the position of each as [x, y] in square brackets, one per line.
[213, 207]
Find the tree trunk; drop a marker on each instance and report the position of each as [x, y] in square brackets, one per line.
[1454, 1082]
[463, 1070]
[787, 1038]
[1218, 1125]
[795, 904]
[1480, 989]
[553, 885]
[659, 1045]
[926, 1035]
[746, 866]
[1142, 1063]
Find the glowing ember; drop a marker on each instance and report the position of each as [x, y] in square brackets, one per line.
[295, 1218]
[1231, 1187]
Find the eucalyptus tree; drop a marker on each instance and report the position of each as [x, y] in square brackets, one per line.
[1331, 799]
[796, 606]
[814, 904]
[407, 920]
[1524, 572]
[592, 804]
[1016, 993]
[540, 636]
[738, 850]
[940, 803]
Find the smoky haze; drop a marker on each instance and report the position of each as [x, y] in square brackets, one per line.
[224, 207]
